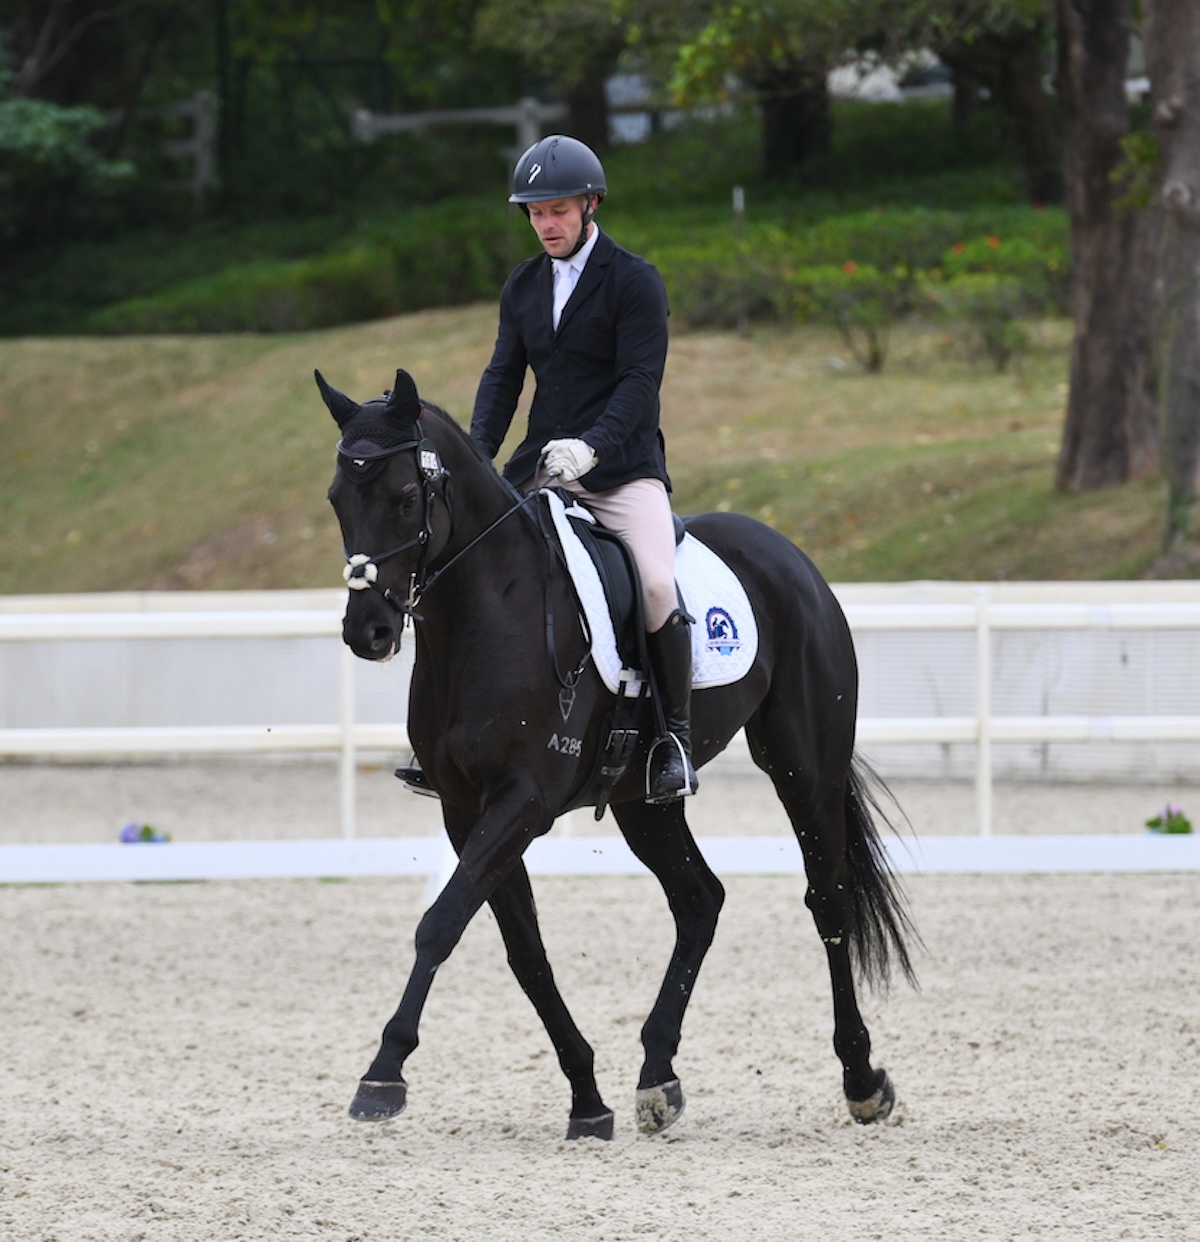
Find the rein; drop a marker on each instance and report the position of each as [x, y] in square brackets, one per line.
[362, 571]
[417, 589]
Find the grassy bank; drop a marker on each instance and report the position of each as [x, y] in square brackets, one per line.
[202, 462]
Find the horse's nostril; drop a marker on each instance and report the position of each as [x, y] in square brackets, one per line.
[381, 638]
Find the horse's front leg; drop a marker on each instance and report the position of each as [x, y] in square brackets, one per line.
[659, 836]
[516, 916]
[486, 856]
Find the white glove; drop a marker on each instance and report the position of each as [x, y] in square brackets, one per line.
[566, 460]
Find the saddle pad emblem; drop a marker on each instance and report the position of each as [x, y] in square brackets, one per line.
[722, 632]
[725, 636]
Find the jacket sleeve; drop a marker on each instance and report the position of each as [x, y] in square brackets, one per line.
[501, 383]
[641, 358]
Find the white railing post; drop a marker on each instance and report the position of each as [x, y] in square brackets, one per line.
[204, 164]
[983, 712]
[200, 148]
[347, 758]
[362, 125]
[529, 123]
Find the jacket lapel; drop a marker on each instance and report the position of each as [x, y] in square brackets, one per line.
[590, 279]
[545, 301]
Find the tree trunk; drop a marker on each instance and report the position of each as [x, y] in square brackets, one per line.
[797, 119]
[587, 100]
[1110, 433]
[115, 140]
[1172, 40]
[1010, 63]
[587, 113]
[223, 48]
[966, 98]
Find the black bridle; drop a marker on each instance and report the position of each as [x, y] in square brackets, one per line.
[362, 571]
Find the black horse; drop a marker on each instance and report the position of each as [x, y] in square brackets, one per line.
[431, 531]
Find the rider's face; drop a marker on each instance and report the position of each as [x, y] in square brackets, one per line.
[558, 224]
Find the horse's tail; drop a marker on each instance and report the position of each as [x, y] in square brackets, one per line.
[881, 929]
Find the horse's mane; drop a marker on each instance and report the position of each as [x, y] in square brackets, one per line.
[456, 430]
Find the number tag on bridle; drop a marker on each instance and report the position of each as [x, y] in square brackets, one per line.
[429, 461]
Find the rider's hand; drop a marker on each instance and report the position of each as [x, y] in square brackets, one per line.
[566, 460]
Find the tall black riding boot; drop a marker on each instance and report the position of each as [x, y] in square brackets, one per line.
[669, 771]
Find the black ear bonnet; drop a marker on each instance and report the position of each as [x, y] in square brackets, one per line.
[378, 429]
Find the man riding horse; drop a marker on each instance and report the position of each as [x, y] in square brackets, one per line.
[590, 319]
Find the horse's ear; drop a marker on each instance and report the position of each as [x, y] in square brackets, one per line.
[340, 406]
[404, 405]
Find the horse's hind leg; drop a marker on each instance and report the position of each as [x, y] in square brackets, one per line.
[516, 916]
[817, 810]
[659, 836]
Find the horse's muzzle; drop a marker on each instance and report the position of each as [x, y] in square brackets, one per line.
[371, 640]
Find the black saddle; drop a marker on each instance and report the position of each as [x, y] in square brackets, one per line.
[619, 577]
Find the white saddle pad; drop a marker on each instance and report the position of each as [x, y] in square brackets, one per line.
[725, 636]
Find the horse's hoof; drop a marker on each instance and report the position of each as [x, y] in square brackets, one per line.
[875, 1107]
[600, 1127]
[659, 1107]
[378, 1101]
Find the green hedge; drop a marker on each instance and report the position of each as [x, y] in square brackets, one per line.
[862, 271]
[986, 311]
[447, 258]
[1041, 270]
[860, 300]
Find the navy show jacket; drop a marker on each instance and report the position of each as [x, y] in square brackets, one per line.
[597, 377]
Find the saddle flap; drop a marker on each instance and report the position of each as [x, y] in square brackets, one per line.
[725, 636]
[620, 582]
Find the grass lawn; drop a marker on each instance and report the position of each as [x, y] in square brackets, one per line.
[202, 462]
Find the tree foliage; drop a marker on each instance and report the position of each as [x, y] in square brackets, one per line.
[780, 53]
[49, 161]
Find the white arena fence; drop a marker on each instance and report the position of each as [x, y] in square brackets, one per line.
[49, 638]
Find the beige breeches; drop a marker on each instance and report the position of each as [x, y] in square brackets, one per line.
[640, 512]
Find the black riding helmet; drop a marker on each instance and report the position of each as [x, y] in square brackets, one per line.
[559, 167]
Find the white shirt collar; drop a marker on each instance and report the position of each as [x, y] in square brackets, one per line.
[580, 257]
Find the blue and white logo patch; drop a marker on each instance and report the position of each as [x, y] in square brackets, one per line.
[722, 632]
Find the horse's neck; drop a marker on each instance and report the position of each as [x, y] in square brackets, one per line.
[496, 537]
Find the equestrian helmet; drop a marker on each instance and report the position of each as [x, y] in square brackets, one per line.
[557, 167]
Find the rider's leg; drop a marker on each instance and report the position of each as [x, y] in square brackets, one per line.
[671, 774]
[640, 512]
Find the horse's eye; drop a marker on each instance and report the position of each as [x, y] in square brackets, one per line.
[409, 498]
